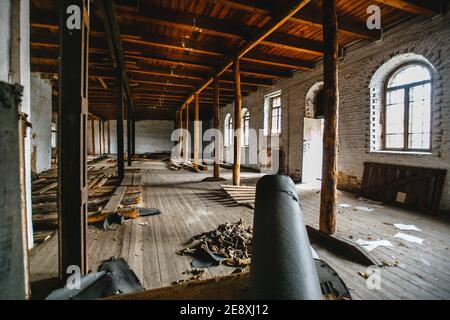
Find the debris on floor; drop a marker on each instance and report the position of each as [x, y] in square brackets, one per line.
[344, 205]
[113, 221]
[42, 236]
[114, 277]
[370, 201]
[409, 238]
[365, 275]
[229, 244]
[394, 263]
[243, 195]
[194, 274]
[406, 227]
[332, 286]
[143, 212]
[239, 270]
[365, 209]
[102, 186]
[370, 245]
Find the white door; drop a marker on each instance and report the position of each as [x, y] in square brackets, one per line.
[312, 149]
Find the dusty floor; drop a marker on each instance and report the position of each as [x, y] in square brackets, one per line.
[190, 207]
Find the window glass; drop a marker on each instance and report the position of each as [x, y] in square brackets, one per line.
[246, 128]
[408, 109]
[409, 74]
[276, 115]
[419, 117]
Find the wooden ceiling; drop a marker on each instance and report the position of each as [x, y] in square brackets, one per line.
[171, 47]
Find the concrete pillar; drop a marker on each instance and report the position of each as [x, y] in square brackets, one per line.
[14, 275]
[17, 66]
[5, 26]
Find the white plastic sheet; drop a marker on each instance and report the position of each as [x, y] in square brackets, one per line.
[370, 245]
[408, 238]
[407, 227]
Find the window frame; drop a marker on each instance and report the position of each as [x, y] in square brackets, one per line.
[228, 130]
[246, 131]
[406, 102]
[272, 133]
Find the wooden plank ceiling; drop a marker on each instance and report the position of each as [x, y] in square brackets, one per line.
[172, 46]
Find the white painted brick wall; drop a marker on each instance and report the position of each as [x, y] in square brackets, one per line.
[151, 136]
[41, 121]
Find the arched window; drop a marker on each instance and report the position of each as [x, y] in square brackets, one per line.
[407, 108]
[245, 127]
[228, 130]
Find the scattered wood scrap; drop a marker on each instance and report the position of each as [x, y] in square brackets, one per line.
[101, 182]
[187, 165]
[243, 195]
[42, 236]
[125, 201]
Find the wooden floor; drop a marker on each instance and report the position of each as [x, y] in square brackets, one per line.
[190, 207]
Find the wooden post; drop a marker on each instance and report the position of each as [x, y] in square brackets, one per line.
[330, 135]
[100, 142]
[119, 130]
[93, 134]
[196, 132]
[186, 147]
[129, 146]
[133, 135]
[237, 120]
[180, 127]
[72, 140]
[217, 144]
[103, 137]
[109, 136]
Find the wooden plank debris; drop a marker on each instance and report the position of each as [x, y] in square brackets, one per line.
[114, 202]
[244, 195]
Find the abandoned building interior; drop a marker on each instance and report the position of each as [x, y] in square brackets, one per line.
[225, 149]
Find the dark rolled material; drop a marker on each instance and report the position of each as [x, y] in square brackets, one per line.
[282, 265]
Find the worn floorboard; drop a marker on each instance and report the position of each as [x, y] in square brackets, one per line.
[190, 207]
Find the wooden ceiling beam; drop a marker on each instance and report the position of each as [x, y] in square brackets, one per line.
[220, 28]
[183, 84]
[185, 46]
[51, 53]
[164, 87]
[414, 7]
[310, 16]
[205, 64]
[264, 33]
[212, 50]
[181, 76]
[175, 92]
[108, 14]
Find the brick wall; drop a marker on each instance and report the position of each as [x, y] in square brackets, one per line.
[420, 37]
